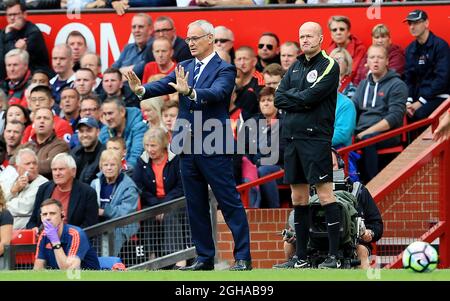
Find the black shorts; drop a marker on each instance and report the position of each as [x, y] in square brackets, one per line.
[308, 162]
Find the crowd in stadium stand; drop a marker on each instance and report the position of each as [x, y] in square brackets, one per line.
[112, 141]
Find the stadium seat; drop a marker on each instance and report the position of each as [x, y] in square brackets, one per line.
[24, 237]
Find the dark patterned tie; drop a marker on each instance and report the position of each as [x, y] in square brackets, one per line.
[196, 73]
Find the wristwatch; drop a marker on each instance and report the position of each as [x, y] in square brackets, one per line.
[189, 93]
[57, 246]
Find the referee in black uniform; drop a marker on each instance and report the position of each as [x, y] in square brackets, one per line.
[308, 94]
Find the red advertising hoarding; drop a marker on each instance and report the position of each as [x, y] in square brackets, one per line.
[107, 33]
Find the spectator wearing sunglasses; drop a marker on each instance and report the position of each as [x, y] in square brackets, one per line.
[224, 40]
[341, 36]
[268, 50]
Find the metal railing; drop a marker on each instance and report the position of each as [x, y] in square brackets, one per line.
[433, 216]
[142, 239]
[433, 120]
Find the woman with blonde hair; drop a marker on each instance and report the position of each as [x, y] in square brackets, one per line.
[345, 61]
[117, 195]
[381, 36]
[6, 227]
[151, 110]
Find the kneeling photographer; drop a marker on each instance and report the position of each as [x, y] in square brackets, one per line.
[370, 224]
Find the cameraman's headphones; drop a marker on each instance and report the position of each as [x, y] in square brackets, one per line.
[340, 161]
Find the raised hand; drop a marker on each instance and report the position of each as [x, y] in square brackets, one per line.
[181, 86]
[134, 82]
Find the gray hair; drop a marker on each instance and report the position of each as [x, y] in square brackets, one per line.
[22, 54]
[225, 29]
[147, 18]
[65, 47]
[207, 27]
[155, 103]
[165, 18]
[25, 151]
[65, 158]
[157, 134]
[116, 100]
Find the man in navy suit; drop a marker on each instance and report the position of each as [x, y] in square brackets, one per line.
[204, 84]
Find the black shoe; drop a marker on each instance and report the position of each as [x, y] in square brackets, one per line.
[242, 265]
[290, 264]
[198, 266]
[331, 262]
[302, 264]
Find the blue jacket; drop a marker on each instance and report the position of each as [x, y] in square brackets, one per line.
[144, 177]
[213, 88]
[427, 69]
[344, 121]
[133, 135]
[132, 55]
[124, 200]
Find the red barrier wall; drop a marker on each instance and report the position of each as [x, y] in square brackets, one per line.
[107, 32]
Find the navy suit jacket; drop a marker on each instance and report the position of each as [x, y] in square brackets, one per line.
[214, 88]
[83, 206]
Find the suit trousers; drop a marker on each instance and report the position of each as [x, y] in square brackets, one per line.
[197, 171]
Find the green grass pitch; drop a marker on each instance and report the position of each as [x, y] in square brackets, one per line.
[255, 275]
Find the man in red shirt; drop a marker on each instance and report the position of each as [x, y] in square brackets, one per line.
[163, 64]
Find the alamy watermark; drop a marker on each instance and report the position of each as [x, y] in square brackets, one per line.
[216, 137]
[374, 11]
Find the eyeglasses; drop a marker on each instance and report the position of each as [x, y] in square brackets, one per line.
[268, 46]
[162, 30]
[195, 39]
[221, 41]
[338, 28]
